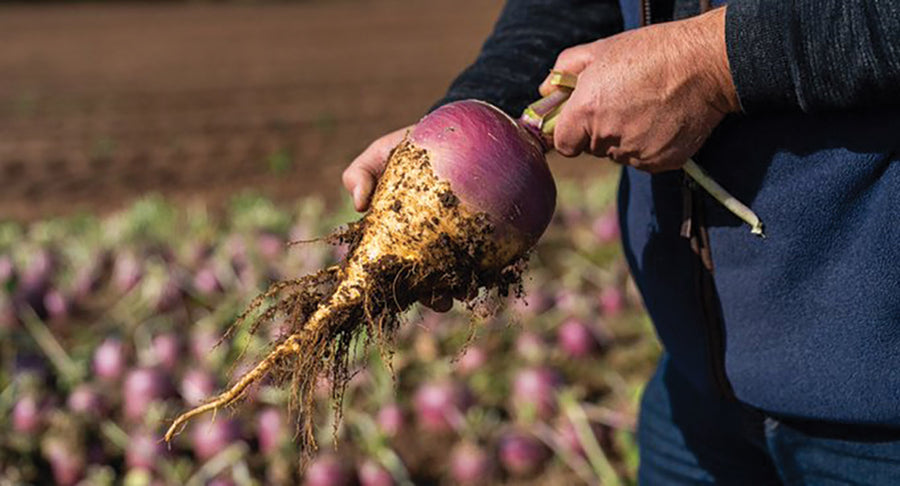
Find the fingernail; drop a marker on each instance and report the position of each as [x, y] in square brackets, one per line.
[357, 197]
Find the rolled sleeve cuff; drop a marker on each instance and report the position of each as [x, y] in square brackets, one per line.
[757, 36]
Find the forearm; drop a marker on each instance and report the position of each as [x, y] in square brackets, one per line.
[523, 47]
[814, 55]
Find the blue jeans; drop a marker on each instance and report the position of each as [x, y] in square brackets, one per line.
[686, 437]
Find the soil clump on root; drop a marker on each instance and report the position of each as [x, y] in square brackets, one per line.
[417, 241]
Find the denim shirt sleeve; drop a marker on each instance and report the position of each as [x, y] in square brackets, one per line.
[814, 55]
[523, 48]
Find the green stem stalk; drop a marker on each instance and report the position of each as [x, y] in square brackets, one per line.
[596, 457]
[724, 197]
[67, 368]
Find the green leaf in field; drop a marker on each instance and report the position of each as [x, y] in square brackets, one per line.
[280, 162]
[250, 211]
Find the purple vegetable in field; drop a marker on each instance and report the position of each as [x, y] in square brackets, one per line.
[203, 342]
[472, 360]
[470, 464]
[31, 368]
[390, 419]
[371, 473]
[269, 245]
[8, 318]
[27, 415]
[567, 300]
[271, 429]
[40, 269]
[606, 227]
[221, 481]
[236, 249]
[145, 451]
[86, 400]
[96, 454]
[576, 339]
[169, 294]
[143, 387]
[35, 281]
[196, 385]
[440, 405]
[612, 301]
[57, 305]
[197, 252]
[535, 302]
[569, 439]
[67, 461]
[210, 437]
[84, 284]
[109, 359]
[206, 282]
[534, 391]
[167, 349]
[522, 454]
[127, 272]
[572, 215]
[530, 346]
[328, 470]
[7, 271]
[89, 277]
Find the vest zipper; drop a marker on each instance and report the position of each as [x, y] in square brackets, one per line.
[694, 229]
[646, 18]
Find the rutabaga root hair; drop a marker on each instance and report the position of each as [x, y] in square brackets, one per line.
[416, 241]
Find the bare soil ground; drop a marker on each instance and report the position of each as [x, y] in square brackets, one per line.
[100, 104]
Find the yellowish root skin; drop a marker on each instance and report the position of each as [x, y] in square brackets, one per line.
[412, 212]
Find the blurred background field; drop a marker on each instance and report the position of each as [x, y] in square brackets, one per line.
[101, 102]
[155, 162]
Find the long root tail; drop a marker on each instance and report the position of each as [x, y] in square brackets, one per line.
[297, 345]
[290, 347]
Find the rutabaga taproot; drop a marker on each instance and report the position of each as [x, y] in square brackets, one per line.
[462, 200]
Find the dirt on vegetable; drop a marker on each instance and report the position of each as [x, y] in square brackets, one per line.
[417, 241]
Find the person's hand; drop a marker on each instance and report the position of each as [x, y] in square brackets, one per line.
[359, 179]
[360, 176]
[649, 97]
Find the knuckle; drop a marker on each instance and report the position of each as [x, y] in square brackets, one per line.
[565, 140]
[574, 55]
[565, 54]
[564, 146]
[570, 53]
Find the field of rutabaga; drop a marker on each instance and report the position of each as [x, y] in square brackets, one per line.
[109, 328]
[156, 162]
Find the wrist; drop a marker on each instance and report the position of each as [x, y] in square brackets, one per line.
[706, 33]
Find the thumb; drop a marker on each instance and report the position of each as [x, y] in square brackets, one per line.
[362, 174]
[572, 60]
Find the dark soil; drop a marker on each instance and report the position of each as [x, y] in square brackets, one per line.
[102, 103]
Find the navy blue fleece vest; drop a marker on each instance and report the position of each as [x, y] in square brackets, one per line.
[812, 313]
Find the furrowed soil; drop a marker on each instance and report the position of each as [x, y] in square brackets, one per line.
[103, 103]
